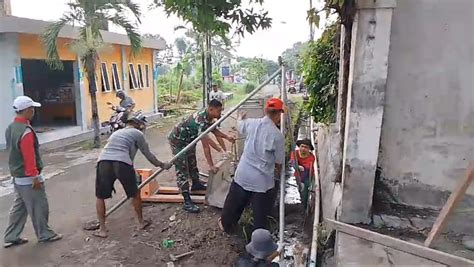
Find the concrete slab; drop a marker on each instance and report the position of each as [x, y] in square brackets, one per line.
[218, 184]
[354, 251]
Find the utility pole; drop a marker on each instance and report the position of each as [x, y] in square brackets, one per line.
[311, 23]
[203, 65]
[208, 66]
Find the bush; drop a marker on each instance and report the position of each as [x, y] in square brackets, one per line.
[249, 87]
[190, 96]
[231, 87]
[187, 85]
[320, 66]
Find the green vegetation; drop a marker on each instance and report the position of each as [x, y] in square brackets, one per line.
[218, 17]
[320, 68]
[246, 223]
[292, 56]
[249, 87]
[239, 94]
[296, 106]
[255, 70]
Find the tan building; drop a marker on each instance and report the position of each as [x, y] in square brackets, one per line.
[64, 93]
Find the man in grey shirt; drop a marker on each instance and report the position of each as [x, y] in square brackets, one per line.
[261, 161]
[116, 162]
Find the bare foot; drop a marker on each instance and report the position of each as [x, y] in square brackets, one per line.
[102, 233]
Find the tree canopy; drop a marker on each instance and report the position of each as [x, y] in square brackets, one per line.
[291, 56]
[90, 16]
[217, 17]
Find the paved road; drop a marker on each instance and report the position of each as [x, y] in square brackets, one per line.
[71, 196]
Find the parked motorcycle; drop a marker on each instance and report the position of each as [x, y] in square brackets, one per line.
[117, 119]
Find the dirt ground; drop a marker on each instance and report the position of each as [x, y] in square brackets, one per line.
[128, 246]
[70, 173]
[70, 189]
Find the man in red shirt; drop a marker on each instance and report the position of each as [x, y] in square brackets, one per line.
[25, 168]
[304, 165]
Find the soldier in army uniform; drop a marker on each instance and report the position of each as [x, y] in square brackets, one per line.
[186, 165]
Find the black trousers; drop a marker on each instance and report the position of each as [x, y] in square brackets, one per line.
[236, 201]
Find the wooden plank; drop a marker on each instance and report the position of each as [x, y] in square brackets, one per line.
[160, 198]
[453, 201]
[175, 190]
[410, 248]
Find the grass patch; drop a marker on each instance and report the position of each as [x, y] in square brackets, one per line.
[238, 96]
[246, 224]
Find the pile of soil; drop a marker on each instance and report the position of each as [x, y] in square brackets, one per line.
[129, 246]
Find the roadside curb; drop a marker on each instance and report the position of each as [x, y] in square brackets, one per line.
[87, 135]
[4, 178]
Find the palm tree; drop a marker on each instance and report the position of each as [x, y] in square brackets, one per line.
[90, 16]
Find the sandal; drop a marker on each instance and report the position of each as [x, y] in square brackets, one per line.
[54, 238]
[18, 242]
[91, 226]
[100, 234]
[146, 223]
[219, 223]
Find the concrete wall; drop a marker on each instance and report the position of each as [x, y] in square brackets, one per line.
[427, 136]
[11, 84]
[365, 107]
[329, 164]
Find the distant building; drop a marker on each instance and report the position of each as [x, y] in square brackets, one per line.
[64, 94]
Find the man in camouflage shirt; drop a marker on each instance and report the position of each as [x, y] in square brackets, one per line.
[186, 165]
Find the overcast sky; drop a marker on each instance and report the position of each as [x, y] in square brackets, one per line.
[289, 24]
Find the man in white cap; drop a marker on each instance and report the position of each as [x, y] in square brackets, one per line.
[260, 251]
[25, 168]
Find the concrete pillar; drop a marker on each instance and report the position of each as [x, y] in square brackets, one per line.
[342, 55]
[154, 80]
[365, 105]
[126, 85]
[11, 81]
[5, 8]
[81, 92]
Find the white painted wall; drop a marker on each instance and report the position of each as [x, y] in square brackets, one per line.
[10, 86]
[365, 107]
[428, 125]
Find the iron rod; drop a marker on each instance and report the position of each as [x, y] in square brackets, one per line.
[194, 142]
[282, 174]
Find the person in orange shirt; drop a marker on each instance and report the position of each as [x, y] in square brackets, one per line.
[303, 160]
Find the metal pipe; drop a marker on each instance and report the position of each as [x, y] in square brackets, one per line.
[317, 201]
[194, 142]
[282, 174]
